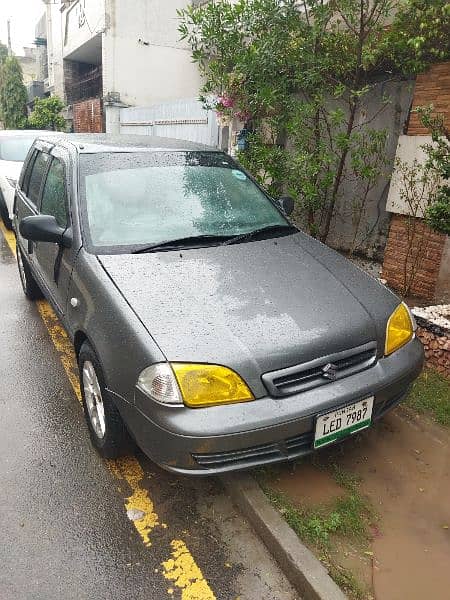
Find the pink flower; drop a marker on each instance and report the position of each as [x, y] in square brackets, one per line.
[242, 115]
[225, 101]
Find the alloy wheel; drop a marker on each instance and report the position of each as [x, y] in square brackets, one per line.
[94, 400]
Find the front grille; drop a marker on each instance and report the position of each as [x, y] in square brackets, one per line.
[320, 371]
[266, 453]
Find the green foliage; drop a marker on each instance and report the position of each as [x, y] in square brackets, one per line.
[266, 161]
[47, 114]
[420, 35]
[300, 78]
[347, 515]
[3, 53]
[437, 213]
[431, 394]
[246, 51]
[13, 95]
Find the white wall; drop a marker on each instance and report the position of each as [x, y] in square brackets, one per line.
[54, 49]
[143, 59]
[81, 21]
[409, 149]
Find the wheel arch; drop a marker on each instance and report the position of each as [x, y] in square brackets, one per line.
[78, 340]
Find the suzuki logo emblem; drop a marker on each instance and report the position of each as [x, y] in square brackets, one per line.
[329, 371]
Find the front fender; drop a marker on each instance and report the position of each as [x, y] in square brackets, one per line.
[97, 308]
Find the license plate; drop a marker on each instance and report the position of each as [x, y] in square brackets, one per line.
[343, 421]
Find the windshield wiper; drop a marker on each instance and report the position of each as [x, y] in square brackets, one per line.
[283, 229]
[185, 242]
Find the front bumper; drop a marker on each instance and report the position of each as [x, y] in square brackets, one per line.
[268, 430]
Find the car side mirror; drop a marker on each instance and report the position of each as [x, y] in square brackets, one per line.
[44, 228]
[287, 205]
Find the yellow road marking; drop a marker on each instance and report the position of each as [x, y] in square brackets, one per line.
[131, 471]
[181, 568]
[9, 237]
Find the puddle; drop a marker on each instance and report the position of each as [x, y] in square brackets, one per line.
[404, 466]
[307, 486]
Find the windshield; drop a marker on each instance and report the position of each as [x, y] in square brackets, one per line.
[15, 149]
[132, 200]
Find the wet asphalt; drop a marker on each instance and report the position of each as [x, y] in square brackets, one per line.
[64, 528]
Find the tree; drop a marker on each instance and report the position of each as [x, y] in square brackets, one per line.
[437, 214]
[3, 53]
[13, 95]
[3, 57]
[299, 74]
[47, 114]
[420, 35]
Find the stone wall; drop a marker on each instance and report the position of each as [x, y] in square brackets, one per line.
[436, 341]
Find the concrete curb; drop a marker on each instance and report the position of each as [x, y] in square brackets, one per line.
[307, 574]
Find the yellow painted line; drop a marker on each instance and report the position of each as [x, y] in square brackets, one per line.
[62, 344]
[181, 567]
[57, 333]
[185, 574]
[131, 471]
[9, 237]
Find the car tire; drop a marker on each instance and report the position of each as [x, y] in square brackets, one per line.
[30, 286]
[4, 213]
[107, 430]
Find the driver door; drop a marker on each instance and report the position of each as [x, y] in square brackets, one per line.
[53, 262]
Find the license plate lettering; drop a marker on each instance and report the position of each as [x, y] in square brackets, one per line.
[332, 426]
[343, 422]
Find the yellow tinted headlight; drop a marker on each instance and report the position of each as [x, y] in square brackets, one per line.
[207, 385]
[400, 329]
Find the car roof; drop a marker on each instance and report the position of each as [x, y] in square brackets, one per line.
[25, 133]
[92, 143]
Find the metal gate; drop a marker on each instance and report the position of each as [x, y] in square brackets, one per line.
[180, 119]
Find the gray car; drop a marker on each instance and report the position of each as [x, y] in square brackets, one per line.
[207, 328]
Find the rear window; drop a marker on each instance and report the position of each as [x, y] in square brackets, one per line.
[15, 149]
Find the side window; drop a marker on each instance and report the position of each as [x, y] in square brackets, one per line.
[54, 196]
[26, 176]
[37, 175]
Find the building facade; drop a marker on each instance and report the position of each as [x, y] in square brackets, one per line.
[104, 55]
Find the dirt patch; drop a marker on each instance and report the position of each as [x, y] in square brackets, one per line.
[403, 464]
[314, 486]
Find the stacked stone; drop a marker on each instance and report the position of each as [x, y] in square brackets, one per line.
[436, 341]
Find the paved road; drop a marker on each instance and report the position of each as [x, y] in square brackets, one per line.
[65, 513]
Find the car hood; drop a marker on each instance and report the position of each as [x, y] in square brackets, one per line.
[10, 169]
[256, 306]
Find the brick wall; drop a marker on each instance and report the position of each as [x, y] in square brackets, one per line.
[427, 245]
[88, 116]
[432, 87]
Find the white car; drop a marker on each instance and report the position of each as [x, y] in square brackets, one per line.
[14, 146]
